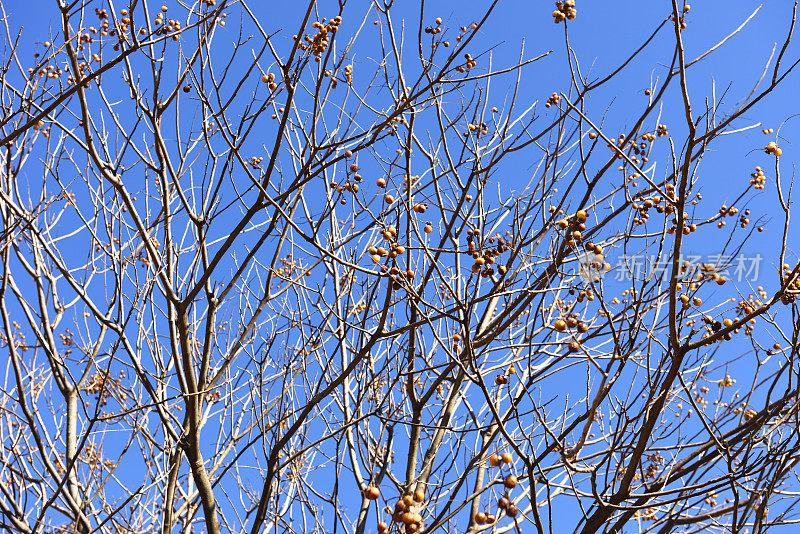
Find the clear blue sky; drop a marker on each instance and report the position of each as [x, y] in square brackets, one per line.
[603, 34]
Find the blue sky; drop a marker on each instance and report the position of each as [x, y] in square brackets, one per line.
[602, 36]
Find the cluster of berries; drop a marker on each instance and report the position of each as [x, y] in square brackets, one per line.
[319, 42]
[552, 100]
[565, 11]
[470, 63]
[772, 148]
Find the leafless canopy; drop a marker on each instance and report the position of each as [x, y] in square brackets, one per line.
[360, 279]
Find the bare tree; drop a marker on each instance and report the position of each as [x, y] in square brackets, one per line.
[256, 282]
